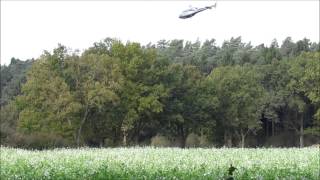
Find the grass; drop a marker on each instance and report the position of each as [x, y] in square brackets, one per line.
[160, 163]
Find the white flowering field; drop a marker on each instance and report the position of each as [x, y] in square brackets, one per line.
[160, 163]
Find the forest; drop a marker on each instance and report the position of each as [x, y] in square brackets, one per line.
[174, 93]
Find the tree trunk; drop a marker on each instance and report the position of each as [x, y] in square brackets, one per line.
[227, 139]
[267, 128]
[81, 125]
[272, 127]
[243, 136]
[125, 134]
[301, 141]
[182, 138]
[136, 140]
[115, 137]
[301, 132]
[136, 134]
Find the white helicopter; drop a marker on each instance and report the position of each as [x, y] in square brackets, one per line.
[193, 11]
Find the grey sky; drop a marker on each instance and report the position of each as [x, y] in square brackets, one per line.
[28, 28]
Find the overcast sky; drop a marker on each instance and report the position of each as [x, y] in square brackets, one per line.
[28, 28]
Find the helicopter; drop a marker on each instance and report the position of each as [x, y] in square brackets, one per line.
[193, 11]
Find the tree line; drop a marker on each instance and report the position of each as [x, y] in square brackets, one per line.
[172, 93]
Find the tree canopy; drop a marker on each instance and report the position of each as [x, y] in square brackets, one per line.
[120, 94]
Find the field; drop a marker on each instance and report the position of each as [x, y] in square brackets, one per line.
[160, 163]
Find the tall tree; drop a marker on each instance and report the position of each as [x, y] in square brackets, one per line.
[46, 104]
[310, 82]
[288, 47]
[184, 105]
[142, 90]
[240, 93]
[96, 79]
[11, 78]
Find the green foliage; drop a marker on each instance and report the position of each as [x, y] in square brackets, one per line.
[8, 115]
[12, 78]
[240, 95]
[46, 103]
[310, 83]
[128, 93]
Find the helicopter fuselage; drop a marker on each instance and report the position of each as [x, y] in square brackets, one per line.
[193, 11]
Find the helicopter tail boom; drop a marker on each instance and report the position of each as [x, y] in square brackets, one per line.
[210, 7]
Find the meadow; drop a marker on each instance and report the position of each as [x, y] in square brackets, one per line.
[160, 163]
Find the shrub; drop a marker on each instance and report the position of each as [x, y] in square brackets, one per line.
[160, 141]
[204, 141]
[284, 139]
[39, 141]
[108, 142]
[193, 140]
